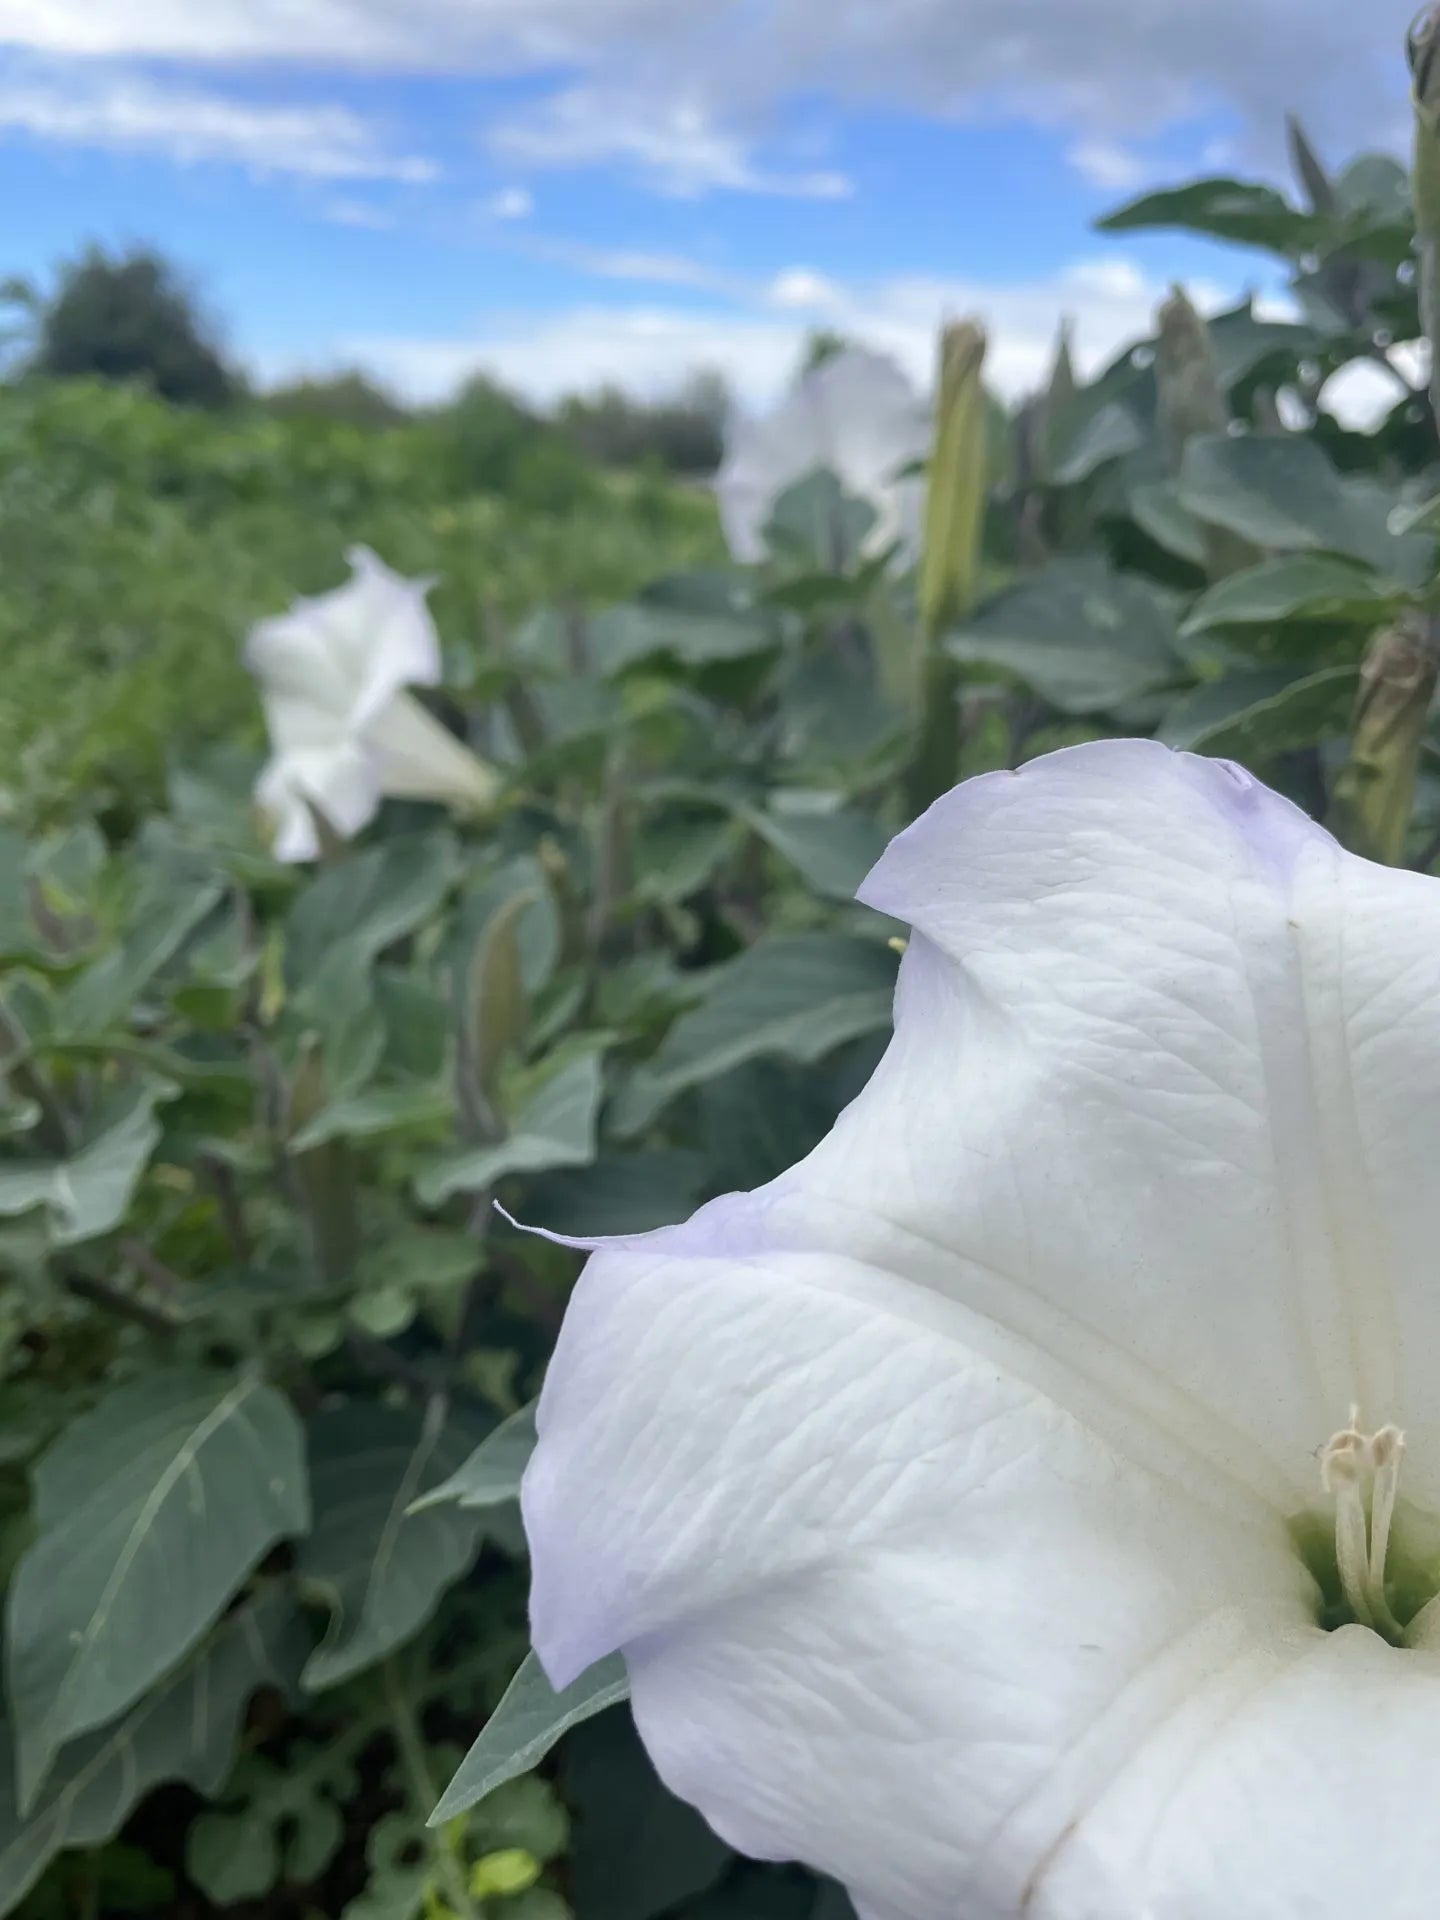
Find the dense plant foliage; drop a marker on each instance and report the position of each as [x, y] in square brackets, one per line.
[268, 1347]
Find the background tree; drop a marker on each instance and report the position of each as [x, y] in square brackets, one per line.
[130, 317]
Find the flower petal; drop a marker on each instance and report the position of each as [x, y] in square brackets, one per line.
[345, 653]
[338, 777]
[1167, 1081]
[885, 1608]
[418, 759]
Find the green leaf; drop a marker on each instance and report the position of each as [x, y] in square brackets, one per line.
[620, 1193]
[492, 1473]
[379, 1567]
[368, 900]
[623, 637]
[526, 1725]
[1315, 707]
[1280, 491]
[1215, 703]
[374, 1112]
[1308, 586]
[638, 1851]
[1155, 507]
[184, 1729]
[832, 848]
[797, 998]
[555, 1127]
[816, 525]
[89, 1192]
[149, 1512]
[1108, 434]
[1085, 639]
[171, 902]
[1224, 209]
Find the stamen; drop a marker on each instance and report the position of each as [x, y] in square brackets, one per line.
[1357, 1467]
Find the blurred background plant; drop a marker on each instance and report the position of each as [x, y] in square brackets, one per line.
[267, 1352]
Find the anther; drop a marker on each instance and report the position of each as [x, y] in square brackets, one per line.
[1362, 1471]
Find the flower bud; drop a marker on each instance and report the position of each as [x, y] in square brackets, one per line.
[1189, 397]
[1375, 789]
[958, 480]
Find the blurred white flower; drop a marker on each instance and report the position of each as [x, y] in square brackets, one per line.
[857, 416]
[958, 1499]
[343, 732]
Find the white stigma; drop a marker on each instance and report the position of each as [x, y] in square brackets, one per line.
[1362, 1471]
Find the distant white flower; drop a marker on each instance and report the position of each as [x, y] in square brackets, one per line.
[343, 732]
[957, 1499]
[857, 416]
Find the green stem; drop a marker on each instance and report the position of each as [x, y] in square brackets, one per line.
[424, 1794]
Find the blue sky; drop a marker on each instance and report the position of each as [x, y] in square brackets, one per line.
[564, 191]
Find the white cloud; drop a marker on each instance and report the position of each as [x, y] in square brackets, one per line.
[125, 113]
[675, 142]
[650, 349]
[633, 263]
[1105, 163]
[510, 203]
[1117, 68]
[359, 213]
[801, 287]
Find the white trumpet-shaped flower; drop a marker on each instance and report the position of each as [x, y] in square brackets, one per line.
[1029, 1505]
[854, 415]
[344, 733]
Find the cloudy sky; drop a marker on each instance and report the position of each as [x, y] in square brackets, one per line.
[564, 191]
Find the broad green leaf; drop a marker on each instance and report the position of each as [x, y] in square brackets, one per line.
[89, 1192]
[1316, 707]
[1309, 586]
[554, 1128]
[149, 1512]
[537, 922]
[1280, 491]
[638, 1852]
[280, 1820]
[817, 526]
[796, 998]
[1238, 210]
[492, 1473]
[1108, 434]
[1085, 639]
[184, 1729]
[171, 902]
[832, 848]
[623, 637]
[368, 900]
[526, 1725]
[1243, 344]
[379, 1567]
[375, 1112]
[1155, 507]
[1215, 703]
[620, 1193]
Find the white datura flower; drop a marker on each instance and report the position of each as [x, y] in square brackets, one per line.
[344, 733]
[856, 416]
[1029, 1504]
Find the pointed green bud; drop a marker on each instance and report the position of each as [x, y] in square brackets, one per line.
[1189, 397]
[958, 480]
[1310, 171]
[958, 492]
[1423, 49]
[1375, 789]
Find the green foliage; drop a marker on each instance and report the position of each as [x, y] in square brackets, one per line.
[270, 1338]
[128, 317]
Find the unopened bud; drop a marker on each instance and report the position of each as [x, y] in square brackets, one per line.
[958, 480]
[1188, 394]
[1375, 789]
